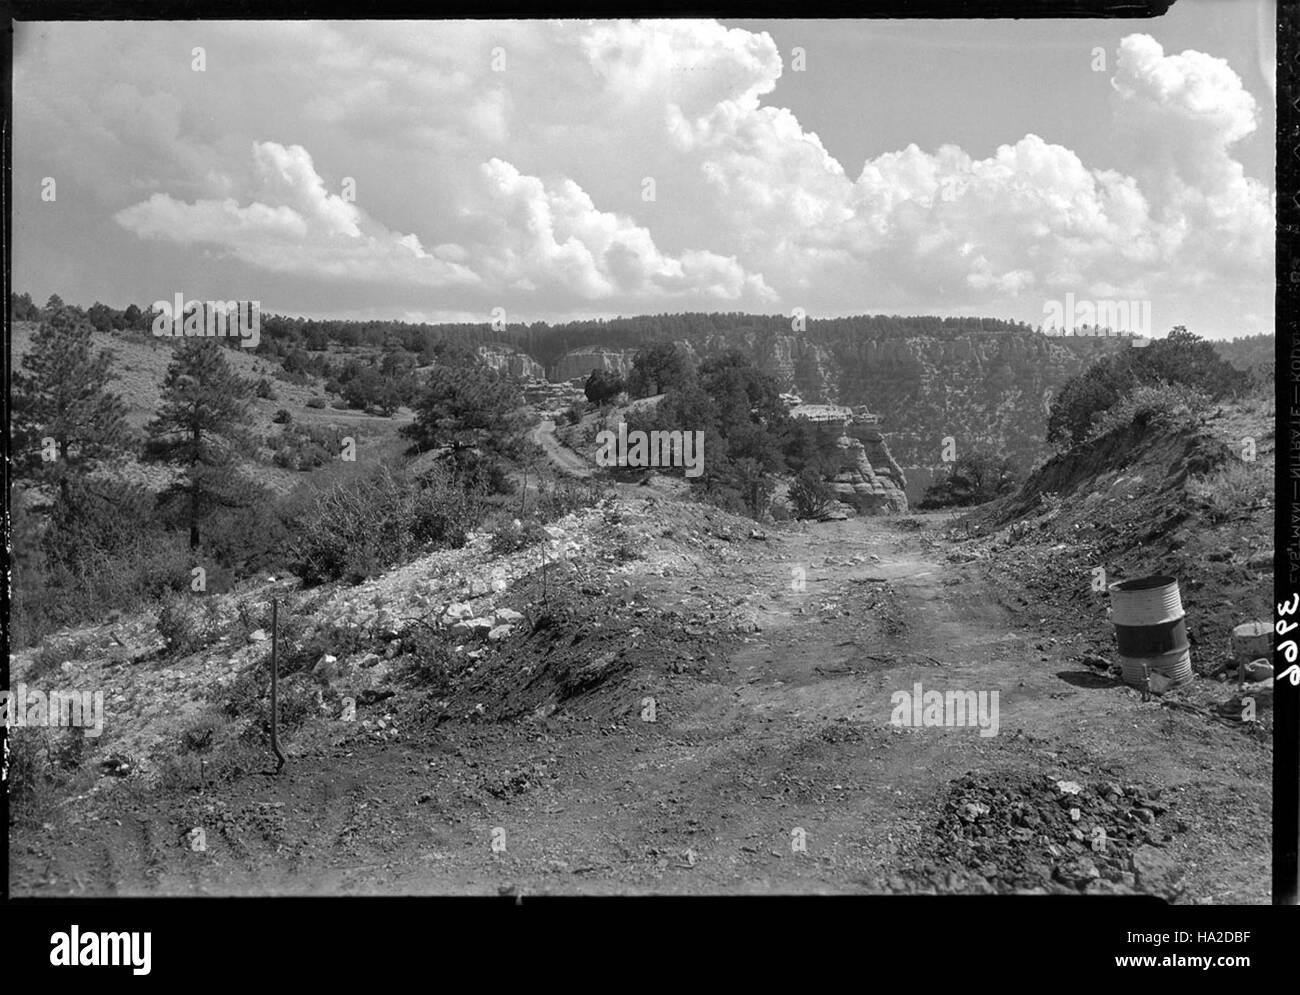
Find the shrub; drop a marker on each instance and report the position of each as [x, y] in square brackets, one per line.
[53, 655]
[28, 772]
[187, 623]
[557, 500]
[264, 390]
[366, 524]
[107, 549]
[975, 478]
[248, 697]
[516, 535]
[430, 663]
[810, 494]
[574, 414]
[1181, 359]
[1233, 490]
[305, 447]
[1142, 405]
[603, 386]
[480, 473]
[282, 417]
[315, 402]
[300, 651]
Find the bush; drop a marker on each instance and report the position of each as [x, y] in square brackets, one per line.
[104, 548]
[53, 655]
[282, 417]
[560, 499]
[315, 402]
[430, 664]
[264, 390]
[187, 623]
[299, 698]
[1180, 360]
[300, 651]
[367, 524]
[1165, 401]
[810, 494]
[602, 386]
[28, 773]
[975, 478]
[305, 447]
[574, 414]
[1083, 398]
[1234, 490]
[480, 473]
[516, 535]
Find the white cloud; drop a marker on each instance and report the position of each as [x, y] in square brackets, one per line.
[525, 236]
[527, 182]
[296, 227]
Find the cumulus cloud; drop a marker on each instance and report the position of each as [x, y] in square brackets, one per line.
[524, 236]
[523, 186]
[296, 227]
[557, 236]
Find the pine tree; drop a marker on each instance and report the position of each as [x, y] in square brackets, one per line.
[62, 395]
[200, 429]
[466, 407]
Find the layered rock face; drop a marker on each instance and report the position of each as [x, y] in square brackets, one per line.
[579, 363]
[512, 362]
[868, 479]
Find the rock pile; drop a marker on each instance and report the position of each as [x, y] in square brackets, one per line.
[1015, 833]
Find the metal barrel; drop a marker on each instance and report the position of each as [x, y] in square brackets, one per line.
[1151, 631]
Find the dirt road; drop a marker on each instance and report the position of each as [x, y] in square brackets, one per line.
[770, 766]
[564, 459]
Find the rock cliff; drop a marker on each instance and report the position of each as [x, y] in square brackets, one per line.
[512, 362]
[577, 364]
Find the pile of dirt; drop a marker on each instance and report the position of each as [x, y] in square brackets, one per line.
[581, 634]
[1017, 833]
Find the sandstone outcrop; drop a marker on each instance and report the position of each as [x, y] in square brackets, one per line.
[512, 362]
[866, 476]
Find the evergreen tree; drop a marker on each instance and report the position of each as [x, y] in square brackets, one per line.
[464, 408]
[62, 395]
[201, 429]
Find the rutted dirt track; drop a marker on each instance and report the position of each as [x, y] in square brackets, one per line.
[756, 737]
[565, 460]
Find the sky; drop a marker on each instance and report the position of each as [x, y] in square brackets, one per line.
[453, 171]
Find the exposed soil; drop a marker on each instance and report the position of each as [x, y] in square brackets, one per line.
[771, 764]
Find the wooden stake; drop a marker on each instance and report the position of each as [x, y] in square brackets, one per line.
[275, 685]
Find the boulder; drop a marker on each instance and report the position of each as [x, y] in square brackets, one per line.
[504, 616]
[472, 627]
[1259, 670]
[500, 632]
[1252, 640]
